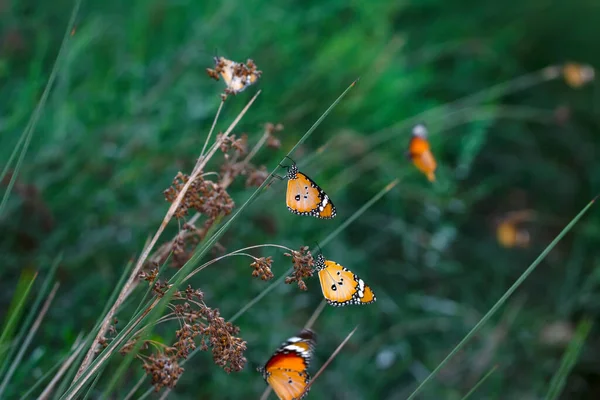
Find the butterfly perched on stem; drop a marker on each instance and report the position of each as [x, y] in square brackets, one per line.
[341, 286]
[286, 370]
[305, 197]
[420, 153]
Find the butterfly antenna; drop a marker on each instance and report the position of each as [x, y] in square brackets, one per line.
[291, 159]
[319, 247]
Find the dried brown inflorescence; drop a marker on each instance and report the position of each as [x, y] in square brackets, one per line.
[205, 196]
[270, 129]
[303, 266]
[240, 145]
[262, 268]
[237, 76]
[198, 322]
[164, 370]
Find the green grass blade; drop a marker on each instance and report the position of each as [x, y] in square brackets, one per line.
[90, 337]
[32, 313]
[25, 344]
[29, 129]
[38, 383]
[16, 309]
[503, 299]
[490, 372]
[88, 393]
[14, 152]
[569, 359]
[120, 372]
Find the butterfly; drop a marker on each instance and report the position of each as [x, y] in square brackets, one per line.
[420, 154]
[305, 197]
[577, 75]
[286, 371]
[340, 286]
[237, 76]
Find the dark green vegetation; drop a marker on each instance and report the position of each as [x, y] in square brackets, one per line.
[132, 105]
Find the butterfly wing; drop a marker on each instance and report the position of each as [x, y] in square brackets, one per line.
[341, 287]
[305, 197]
[288, 384]
[286, 371]
[422, 157]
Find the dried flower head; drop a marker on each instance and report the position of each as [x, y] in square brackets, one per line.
[237, 76]
[270, 129]
[149, 276]
[163, 369]
[262, 268]
[240, 145]
[205, 196]
[303, 266]
[257, 176]
[227, 349]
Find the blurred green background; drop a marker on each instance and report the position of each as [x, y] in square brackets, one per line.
[132, 105]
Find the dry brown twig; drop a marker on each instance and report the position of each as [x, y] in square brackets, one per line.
[202, 161]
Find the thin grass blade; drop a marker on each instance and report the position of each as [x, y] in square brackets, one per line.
[481, 381]
[30, 128]
[569, 359]
[16, 309]
[504, 297]
[23, 346]
[42, 294]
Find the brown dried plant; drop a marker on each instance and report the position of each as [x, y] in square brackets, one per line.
[303, 266]
[199, 325]
[218, 202]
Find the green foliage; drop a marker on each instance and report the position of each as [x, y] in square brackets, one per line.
[131, 105]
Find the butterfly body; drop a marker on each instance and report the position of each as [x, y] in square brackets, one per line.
[286, 371]
[420, 153]
[341, 286]
[305, 197]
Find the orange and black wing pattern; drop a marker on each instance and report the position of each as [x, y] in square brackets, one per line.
[286, 371]
[420, 153]
[305, 197]
[340, 286]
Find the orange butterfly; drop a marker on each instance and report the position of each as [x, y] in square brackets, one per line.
[305, 197]
[340, 286]
[577, 75]
[237, 76]
[420, 154]
[286, 371]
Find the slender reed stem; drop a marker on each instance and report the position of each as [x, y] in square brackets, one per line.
[199, 166]
[212, 128]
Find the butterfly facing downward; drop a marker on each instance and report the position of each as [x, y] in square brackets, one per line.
[305, 197]
[340, 286]
[286, 370]
[420, 153]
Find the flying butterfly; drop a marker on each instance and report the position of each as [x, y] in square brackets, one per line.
[340, 286]
[420, 153]
[286, 370]
[237, 76]
[305, 197]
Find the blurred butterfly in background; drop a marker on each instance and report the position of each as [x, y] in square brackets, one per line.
[340, 286]
[305, 197]
[577, 75]
[286, 371]
[420, 153]
[237, 76]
